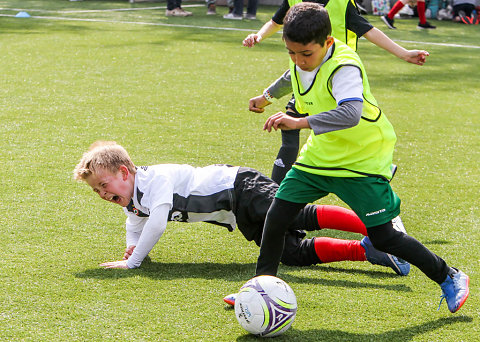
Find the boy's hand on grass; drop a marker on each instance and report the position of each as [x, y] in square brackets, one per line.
[258, 103]
[418, 57]
[128, 252]
[115, 264]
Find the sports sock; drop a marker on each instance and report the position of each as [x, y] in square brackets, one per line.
[421, 12]
[330, 250]
[290, 145]
[334, 217]
[286, 155]
[397, 7]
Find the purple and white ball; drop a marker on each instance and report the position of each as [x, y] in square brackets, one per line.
[266, 306]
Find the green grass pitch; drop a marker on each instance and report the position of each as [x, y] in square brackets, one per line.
[176, 90]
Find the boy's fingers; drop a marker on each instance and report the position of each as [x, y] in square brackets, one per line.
[114, 264]
[253, 107]
[268, 125]
[273, 121]
[108, 263]
[250, 40]
[265, 126]
[278, 123]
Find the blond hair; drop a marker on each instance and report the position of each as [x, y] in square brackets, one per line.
[102, 155]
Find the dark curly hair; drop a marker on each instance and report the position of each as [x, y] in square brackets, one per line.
[307, 22]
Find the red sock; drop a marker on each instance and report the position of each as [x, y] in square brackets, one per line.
[333, 217]
[421, 12]
[397, 7]
[330, 250]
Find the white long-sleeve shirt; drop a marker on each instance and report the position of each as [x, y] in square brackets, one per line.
[171, 192]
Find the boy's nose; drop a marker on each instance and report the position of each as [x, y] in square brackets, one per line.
[298, 61]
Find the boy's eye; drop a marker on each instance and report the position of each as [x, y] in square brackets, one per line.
[307, 54]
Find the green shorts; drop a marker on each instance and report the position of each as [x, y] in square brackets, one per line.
[371, 198]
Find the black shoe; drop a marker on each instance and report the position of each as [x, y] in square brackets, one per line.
[388, 22]
[426, 26]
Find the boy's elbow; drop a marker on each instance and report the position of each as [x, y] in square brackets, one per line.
[354, 111]
[356, 119]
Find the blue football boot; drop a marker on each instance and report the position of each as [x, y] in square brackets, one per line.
[455, 289]
[376, 257]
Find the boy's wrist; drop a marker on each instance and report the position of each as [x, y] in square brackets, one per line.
[268, 96]
[303, 123]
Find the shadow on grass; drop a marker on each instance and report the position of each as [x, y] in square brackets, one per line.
[235, 272]
[377, 272]
[437, 242]
[403, 334]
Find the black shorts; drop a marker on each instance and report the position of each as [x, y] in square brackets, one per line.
[254, 193]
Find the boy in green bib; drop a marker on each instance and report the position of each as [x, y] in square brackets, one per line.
[349, 151]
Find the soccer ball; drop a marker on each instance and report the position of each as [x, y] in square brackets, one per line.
[266, 306]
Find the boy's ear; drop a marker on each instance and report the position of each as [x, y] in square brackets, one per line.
[329, 41]
[124, 170]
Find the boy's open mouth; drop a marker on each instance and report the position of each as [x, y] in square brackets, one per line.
[115, 198]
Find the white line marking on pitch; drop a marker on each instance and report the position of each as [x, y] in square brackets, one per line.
[210, 28]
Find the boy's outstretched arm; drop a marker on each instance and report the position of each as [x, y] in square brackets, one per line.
[380, 39]
[266, 31]
[150, 235]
